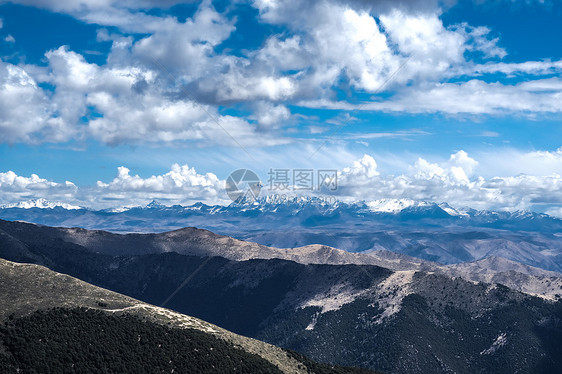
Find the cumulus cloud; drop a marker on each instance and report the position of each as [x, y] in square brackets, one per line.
[15, 188]
[181, 185]
[402, 47]
[113, 104]
[26, 112]
[270, 116]
[453, 182]
[132, 99]
[185, 46]
[361, 171]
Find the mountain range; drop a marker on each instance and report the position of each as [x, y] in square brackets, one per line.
[379, 310]
[429, 231]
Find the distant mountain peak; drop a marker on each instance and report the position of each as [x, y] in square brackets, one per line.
[155, 205]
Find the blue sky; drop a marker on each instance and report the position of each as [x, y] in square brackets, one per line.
[456, 101]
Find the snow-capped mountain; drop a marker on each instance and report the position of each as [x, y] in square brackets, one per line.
[41, 204]
[300, 206]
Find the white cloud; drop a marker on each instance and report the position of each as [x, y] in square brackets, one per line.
[152, 117]
[514, 162]
[472, 97]
[10, 39]
[433, 47]
[511, 69]
[462, 160]
[454, 181]
[26, 112]
[168, 83]
[451, 182]
[405, 47]
[270, 116]
[78, 7]
[15, 188]
[337, 41]
[555, 212]
[362, 169]
[481, 41]
[185, 47]
[181, 185]
[120, 105]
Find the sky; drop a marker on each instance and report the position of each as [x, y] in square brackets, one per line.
[107, 103]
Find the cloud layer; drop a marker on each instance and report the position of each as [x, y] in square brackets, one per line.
[166, 80]
[454, 181]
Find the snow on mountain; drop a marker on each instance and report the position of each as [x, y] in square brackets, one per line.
[155, 205]
[392, 291]
[302, 205]
[453, 211]
[41, 204]
[394, 205]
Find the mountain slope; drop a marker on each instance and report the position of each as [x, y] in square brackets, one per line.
[497, 270]
[87, 341]
[28, 289]
[405, 321]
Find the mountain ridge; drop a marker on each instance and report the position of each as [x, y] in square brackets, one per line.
[200, 242]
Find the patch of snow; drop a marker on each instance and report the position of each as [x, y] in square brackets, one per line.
[498, 343]
[393, 205]
[452, 211]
